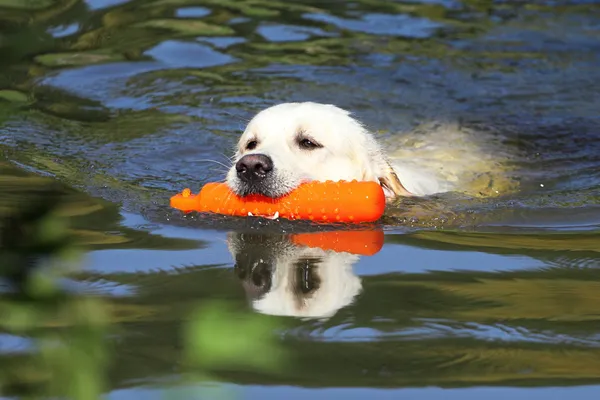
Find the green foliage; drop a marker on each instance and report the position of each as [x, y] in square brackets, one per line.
[219, 337]
[70, 329]
[13, 96]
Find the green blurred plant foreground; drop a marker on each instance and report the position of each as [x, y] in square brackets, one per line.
[70, 330]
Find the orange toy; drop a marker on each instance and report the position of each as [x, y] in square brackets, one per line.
[329, 201]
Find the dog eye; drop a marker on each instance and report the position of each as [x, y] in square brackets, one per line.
[308, 144]
[251, 145]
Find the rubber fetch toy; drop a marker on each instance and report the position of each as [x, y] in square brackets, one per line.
[342, 201]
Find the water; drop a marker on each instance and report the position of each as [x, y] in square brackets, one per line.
[119, 100]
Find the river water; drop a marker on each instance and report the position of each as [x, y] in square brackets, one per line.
[121, 102]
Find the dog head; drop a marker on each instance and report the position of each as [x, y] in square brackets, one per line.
[292, 143]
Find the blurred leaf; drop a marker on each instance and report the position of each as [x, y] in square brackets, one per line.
[13, 96]
[17, 317]
[41, 285]
[218, 337]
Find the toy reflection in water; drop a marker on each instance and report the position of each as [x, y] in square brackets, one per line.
[305, 275]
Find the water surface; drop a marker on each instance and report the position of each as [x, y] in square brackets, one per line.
[118, 101]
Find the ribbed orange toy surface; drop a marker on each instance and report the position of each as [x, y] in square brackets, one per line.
[344, 201]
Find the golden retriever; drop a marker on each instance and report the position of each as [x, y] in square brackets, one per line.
[291, 143]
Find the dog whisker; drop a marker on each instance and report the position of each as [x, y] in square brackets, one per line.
[214, 161]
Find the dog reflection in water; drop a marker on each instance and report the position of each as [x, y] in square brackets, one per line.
[282, 278]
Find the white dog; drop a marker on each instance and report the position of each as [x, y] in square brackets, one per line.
[292, 143]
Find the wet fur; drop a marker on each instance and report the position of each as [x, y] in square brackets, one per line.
[433, 158]
[349, 151]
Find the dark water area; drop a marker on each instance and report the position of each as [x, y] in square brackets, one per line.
[120, 102]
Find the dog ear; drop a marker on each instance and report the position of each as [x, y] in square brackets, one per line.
[391, 182]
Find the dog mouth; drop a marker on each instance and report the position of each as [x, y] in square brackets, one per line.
[262, 188]
[255, 174]
[269, 186]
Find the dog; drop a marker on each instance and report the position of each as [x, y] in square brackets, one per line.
[292, 143]
[284, 279]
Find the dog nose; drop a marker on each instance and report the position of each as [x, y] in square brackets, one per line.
[254, 167]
